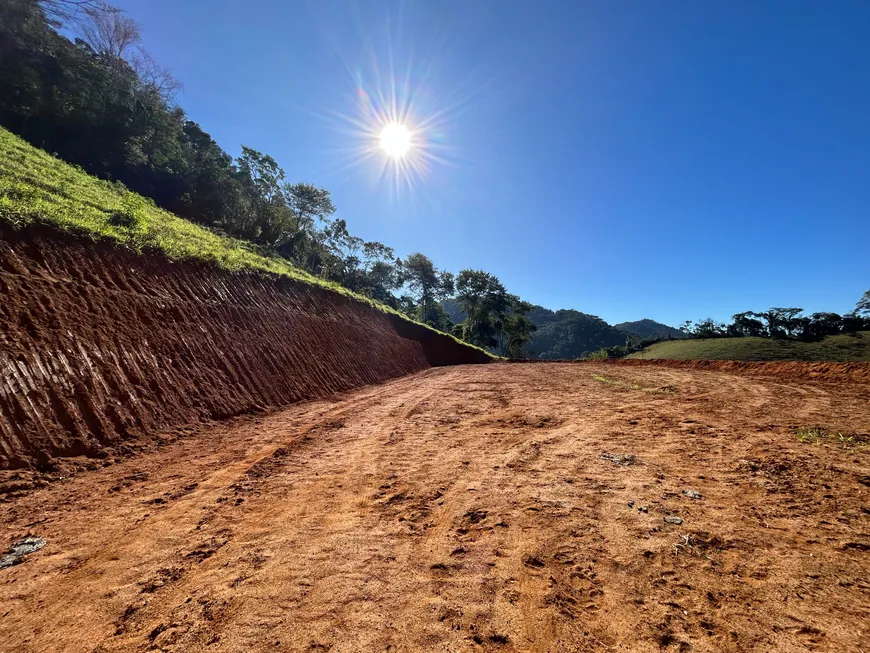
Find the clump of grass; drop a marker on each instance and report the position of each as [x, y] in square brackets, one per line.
[810, 436]
[819, 436]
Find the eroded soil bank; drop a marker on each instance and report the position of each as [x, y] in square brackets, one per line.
[99, 345]
[471, 509]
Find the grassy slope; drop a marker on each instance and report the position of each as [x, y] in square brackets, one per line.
[833, 348]
[38, 188]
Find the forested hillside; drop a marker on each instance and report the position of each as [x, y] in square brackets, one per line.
[571, 334]
[649, 329]
[568, 334]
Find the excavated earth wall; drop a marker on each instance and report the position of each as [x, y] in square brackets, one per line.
[99, 345]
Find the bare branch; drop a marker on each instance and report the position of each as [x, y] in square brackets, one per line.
[155, 75]
[108, 30]
[61, 11]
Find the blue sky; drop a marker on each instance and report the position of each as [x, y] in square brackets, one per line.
[630, 159]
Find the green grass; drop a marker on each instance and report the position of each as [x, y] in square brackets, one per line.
[850, 347]
[820, 436]
[37, 188]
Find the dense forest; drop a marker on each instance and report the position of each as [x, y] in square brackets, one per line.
[77, 82]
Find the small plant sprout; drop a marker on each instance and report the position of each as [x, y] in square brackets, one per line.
[819, 436]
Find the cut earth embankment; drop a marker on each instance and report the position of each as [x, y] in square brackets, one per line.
[100, 344]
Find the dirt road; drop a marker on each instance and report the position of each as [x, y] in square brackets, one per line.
[470, 508]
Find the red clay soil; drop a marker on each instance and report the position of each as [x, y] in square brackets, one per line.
[551, 507]
[100, 345]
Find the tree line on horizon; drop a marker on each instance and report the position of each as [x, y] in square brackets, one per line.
[784, 323]
[100, 101]
[777, 323]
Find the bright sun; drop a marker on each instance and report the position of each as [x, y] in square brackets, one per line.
[395, 140]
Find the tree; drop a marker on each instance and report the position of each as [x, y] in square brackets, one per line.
[514, 328]
[307, 202]
[86, 104]
[208, 191]
[155, 76]
[406, 305]
[484, 299]
[438, 318]
[707, 328]
[427, 283]
[59, 11]
[269, 220]
[853, 322]
[382, 274]
[746, 324]
[819, 325]
[792, 320]
[781, 322]
[108, 30]
[863, 305]
[341, 250]
[494, 318]
[447, 283]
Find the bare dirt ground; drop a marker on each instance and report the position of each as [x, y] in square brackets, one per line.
[469, 508]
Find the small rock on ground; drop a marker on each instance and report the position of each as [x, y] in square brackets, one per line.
[19, 549]
[619, 458]
[673, 519]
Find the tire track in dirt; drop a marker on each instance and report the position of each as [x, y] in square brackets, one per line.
[468, 509]
[334, 527]
[203, 507]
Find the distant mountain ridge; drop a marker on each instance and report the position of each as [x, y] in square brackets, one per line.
[570, 334]
[567, 333]
[647, 328]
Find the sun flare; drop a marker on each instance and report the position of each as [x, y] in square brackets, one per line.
[399, 132]
[395, 140]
